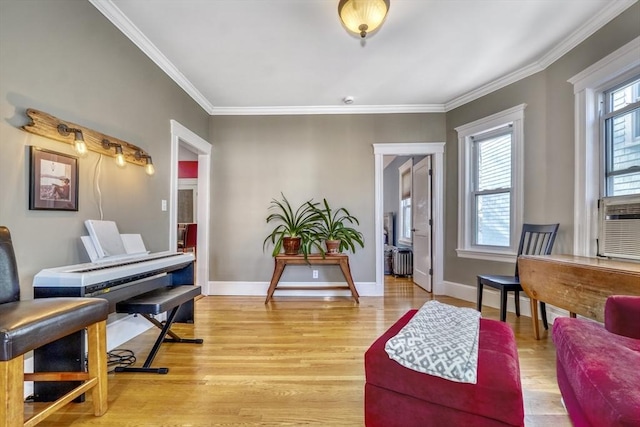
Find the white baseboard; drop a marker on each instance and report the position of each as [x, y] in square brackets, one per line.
[491, 298]
[121, 330]
[365, 289]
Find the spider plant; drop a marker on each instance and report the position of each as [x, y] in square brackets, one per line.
[335, 225]
[292, 224]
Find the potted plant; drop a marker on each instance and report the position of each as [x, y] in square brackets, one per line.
[293, 229]
[332, 226]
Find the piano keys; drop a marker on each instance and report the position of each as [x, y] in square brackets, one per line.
[115, 280]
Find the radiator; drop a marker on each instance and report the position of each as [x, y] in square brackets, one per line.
[402, 262]
[388, 260]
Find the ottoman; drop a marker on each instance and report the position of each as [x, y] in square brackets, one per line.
[398, 396]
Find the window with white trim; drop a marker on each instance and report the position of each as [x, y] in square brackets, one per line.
[621, 131]
[490, 186]
[405, 172]
[588, 87]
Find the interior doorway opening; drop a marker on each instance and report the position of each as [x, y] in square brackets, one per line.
[436, 153]
[185, 141]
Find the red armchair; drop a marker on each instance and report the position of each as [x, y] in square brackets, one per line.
[597, 365]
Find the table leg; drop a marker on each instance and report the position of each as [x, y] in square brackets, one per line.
[346, 272]
[277, 273]
[534, 318]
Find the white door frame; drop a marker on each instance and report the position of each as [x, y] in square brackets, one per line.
[436, 149]
[182, 135]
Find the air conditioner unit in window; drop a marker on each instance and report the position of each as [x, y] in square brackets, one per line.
[619, 227]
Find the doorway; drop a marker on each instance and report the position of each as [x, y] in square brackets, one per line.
[184, 139]
[436, 153]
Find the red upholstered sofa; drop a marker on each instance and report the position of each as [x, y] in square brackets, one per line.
[598, 366]
[396, 396]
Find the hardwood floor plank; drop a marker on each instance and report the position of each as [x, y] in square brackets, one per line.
[296, 361]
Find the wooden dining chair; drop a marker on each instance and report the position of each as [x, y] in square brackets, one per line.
[536, 239]
[190, 241]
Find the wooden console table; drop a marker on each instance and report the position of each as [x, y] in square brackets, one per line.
[281, 261]
[580, 285]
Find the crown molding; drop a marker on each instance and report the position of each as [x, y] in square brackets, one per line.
[115, 15]
[493, 86]
[328, 109]
[124, 24]
[598, 21]
[581, 34]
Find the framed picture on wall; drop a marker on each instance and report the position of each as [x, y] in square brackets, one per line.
[53, 181]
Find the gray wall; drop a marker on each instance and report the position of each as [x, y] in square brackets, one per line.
[65, 58]
[331, 156]
[549, 143]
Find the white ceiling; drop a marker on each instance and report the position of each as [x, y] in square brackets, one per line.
[294, 56]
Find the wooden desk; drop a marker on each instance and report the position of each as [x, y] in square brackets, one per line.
[578, 284]
[281, 261]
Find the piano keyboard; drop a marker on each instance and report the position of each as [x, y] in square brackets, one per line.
[124, 263]
[95, 276]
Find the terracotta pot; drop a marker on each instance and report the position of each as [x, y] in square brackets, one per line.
[333, 246]
[291, 245]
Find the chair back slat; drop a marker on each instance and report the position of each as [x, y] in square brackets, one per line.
[537, 239]
[9, 280]
[191, 235]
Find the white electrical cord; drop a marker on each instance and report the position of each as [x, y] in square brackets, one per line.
[96, 179]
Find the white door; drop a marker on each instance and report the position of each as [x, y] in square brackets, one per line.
[421, 201]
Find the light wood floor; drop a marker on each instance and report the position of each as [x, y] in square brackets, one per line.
[296, 361]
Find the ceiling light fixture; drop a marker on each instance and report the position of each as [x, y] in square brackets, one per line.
[362, 16]
[78, 143]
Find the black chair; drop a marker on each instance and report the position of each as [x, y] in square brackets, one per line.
[535, 240]
[28, 324]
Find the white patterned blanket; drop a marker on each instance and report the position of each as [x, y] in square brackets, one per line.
[440, 340]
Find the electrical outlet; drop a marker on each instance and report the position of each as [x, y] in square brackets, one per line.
[315, 274]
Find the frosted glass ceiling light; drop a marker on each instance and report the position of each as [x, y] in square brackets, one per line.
[362, 16]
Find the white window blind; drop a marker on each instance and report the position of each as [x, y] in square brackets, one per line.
[491, 194]
[406, 184]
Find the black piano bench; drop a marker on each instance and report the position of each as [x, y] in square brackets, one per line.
[158, 301]
[28, 324]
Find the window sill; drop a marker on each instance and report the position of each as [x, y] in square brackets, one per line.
[404, 242]
[509, 257]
